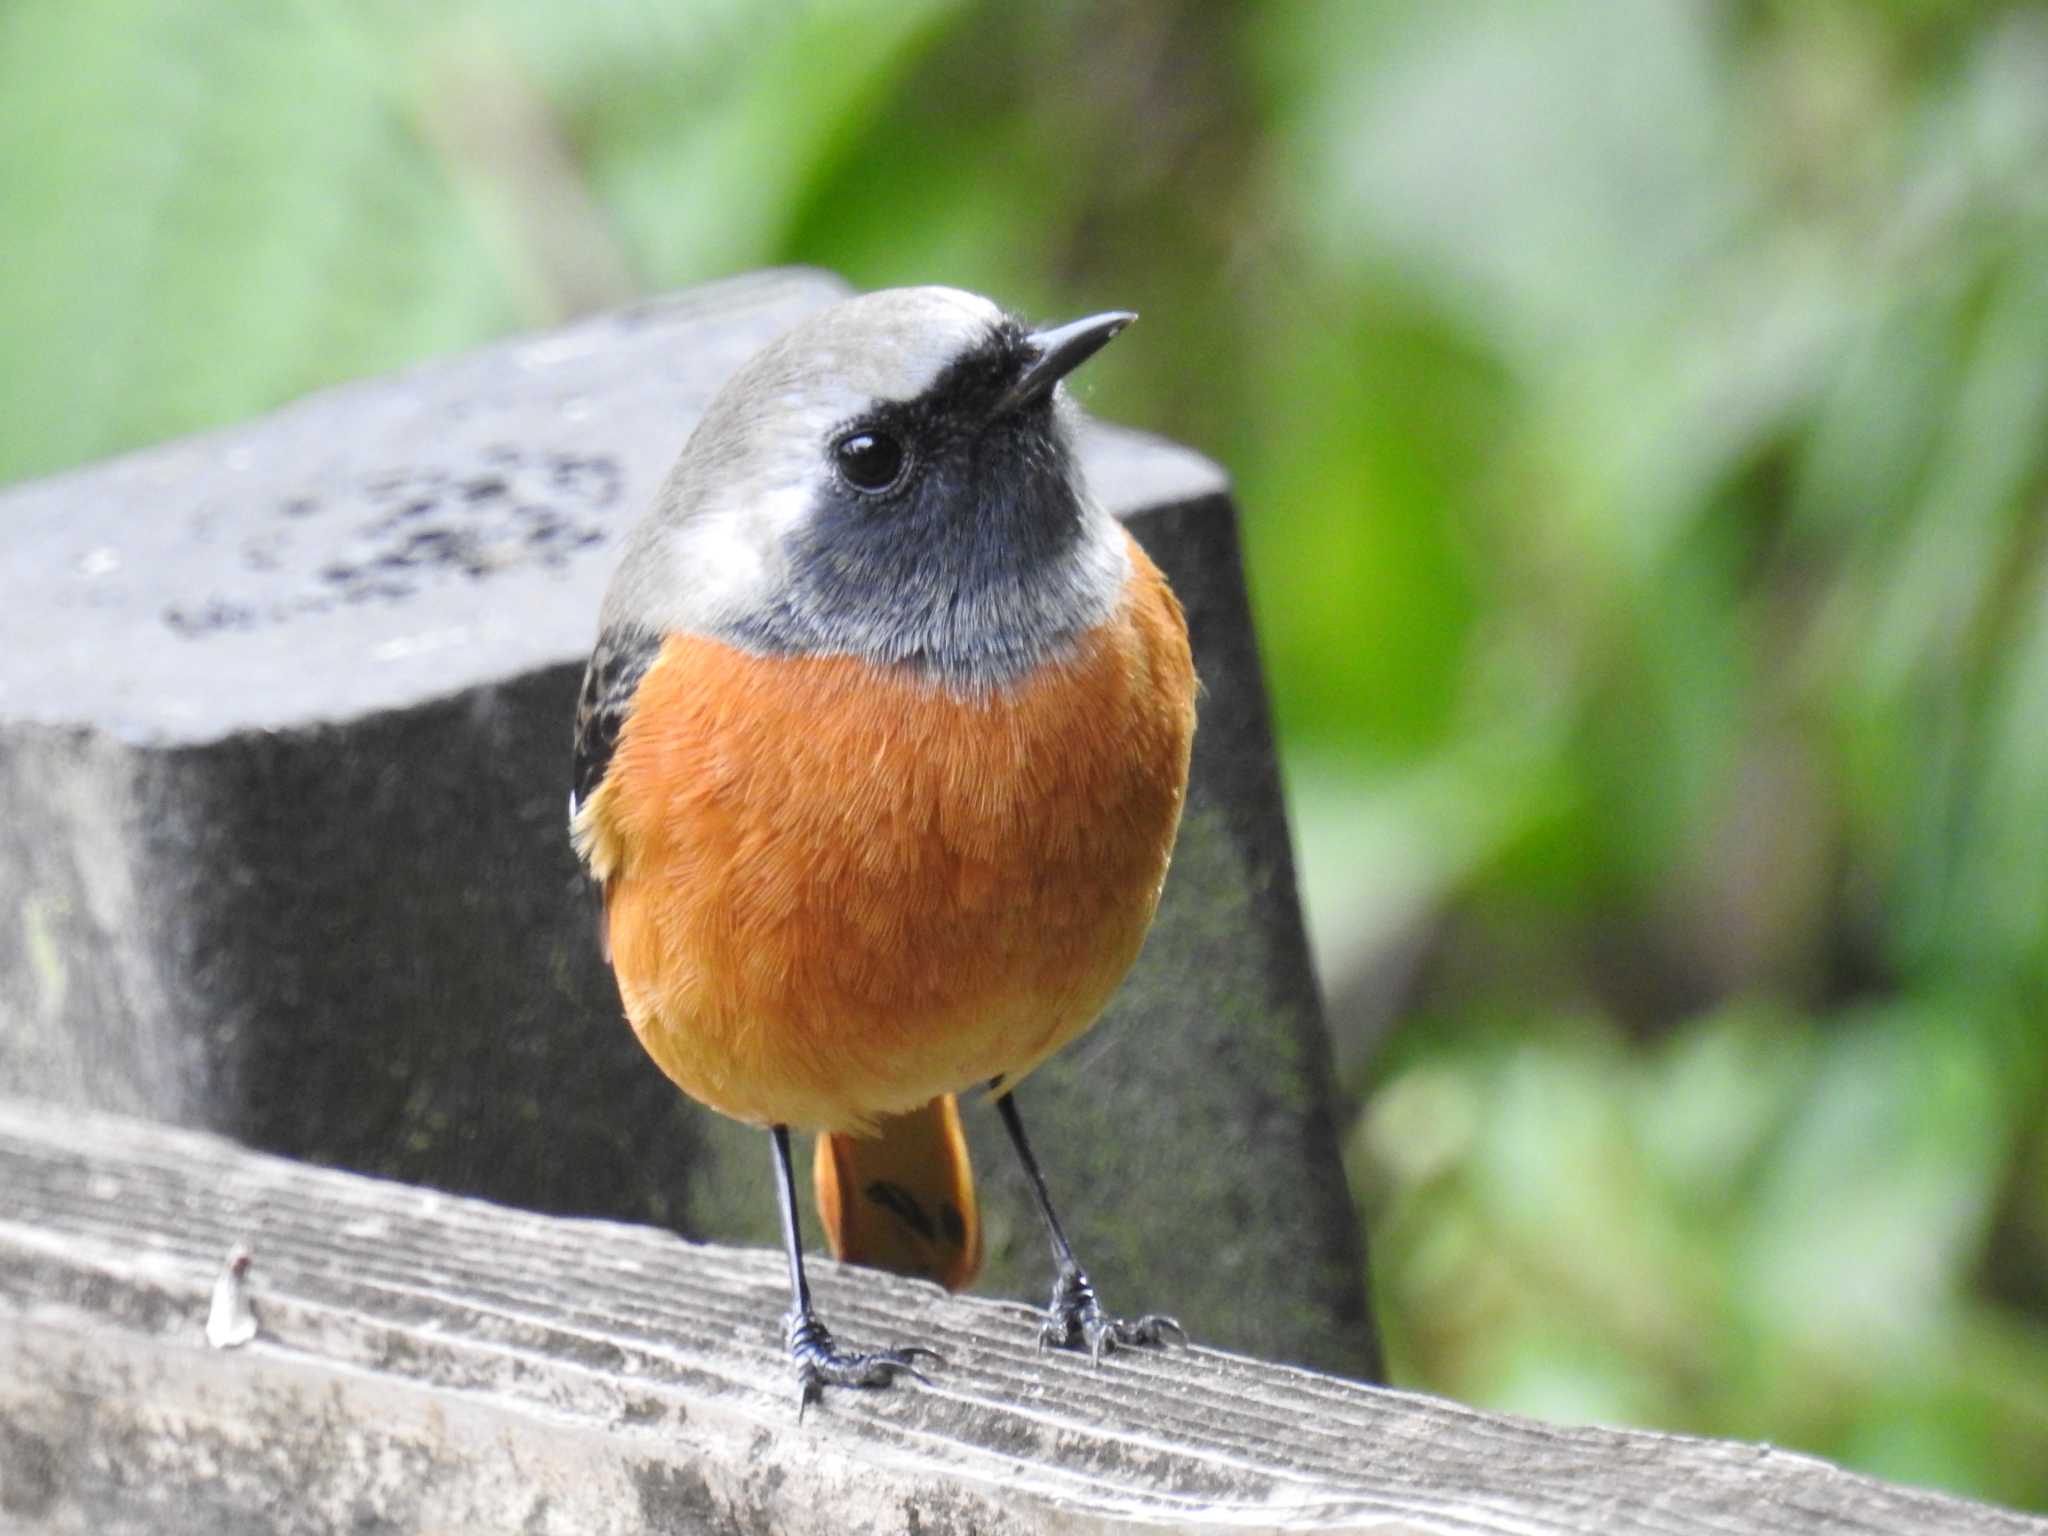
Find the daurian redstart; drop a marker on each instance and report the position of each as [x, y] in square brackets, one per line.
[879, 761]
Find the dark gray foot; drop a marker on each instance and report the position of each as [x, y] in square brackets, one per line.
[820, 1363]
[1074, 1319]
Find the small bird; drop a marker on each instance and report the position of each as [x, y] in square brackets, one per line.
[879, 761]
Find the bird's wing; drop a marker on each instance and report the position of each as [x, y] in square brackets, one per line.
[620, 660]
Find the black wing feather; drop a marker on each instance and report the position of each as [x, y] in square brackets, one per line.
[620, 660]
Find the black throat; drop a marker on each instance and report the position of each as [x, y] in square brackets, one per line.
[982, 563]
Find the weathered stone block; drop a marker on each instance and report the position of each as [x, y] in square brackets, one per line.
[284, 718]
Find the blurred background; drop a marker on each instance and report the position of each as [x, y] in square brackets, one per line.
[1640, 413]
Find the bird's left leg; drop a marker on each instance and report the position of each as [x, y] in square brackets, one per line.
[820, 1363]
[1074, 1318]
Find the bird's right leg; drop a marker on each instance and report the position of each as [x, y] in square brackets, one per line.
[819, 1362]
[1074, 1319]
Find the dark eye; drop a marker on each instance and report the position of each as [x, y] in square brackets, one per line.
[869, 461]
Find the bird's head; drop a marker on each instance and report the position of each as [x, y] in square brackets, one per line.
[894, 479]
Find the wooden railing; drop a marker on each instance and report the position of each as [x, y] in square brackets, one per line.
[431, 1363]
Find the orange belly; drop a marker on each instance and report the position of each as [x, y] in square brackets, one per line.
[836, 891]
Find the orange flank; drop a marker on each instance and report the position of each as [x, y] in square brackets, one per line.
[836, 892]
[903, 1199]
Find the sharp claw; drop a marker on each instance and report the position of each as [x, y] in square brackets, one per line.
[1152, 1328]
[1074, 1317]
[820, 1363]
[904, 1360]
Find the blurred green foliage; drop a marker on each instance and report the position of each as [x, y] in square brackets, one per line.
[1641, 417]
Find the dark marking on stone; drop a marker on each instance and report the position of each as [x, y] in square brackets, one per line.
[210, 617]
[437, 524]
[264, 552]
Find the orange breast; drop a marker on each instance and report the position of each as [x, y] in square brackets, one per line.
[835, 891]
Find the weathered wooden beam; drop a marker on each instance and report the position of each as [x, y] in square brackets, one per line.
[432, 1363]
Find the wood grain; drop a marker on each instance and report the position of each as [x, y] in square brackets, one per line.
[428, 1363]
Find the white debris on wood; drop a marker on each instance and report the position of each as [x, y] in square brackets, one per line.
[231, 1318]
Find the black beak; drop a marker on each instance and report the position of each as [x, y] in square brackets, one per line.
[1059, 352]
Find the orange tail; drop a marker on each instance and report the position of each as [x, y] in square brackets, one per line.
[903, 1199]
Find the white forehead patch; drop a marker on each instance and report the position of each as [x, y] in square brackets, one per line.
[714, 546]
[893, 345]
